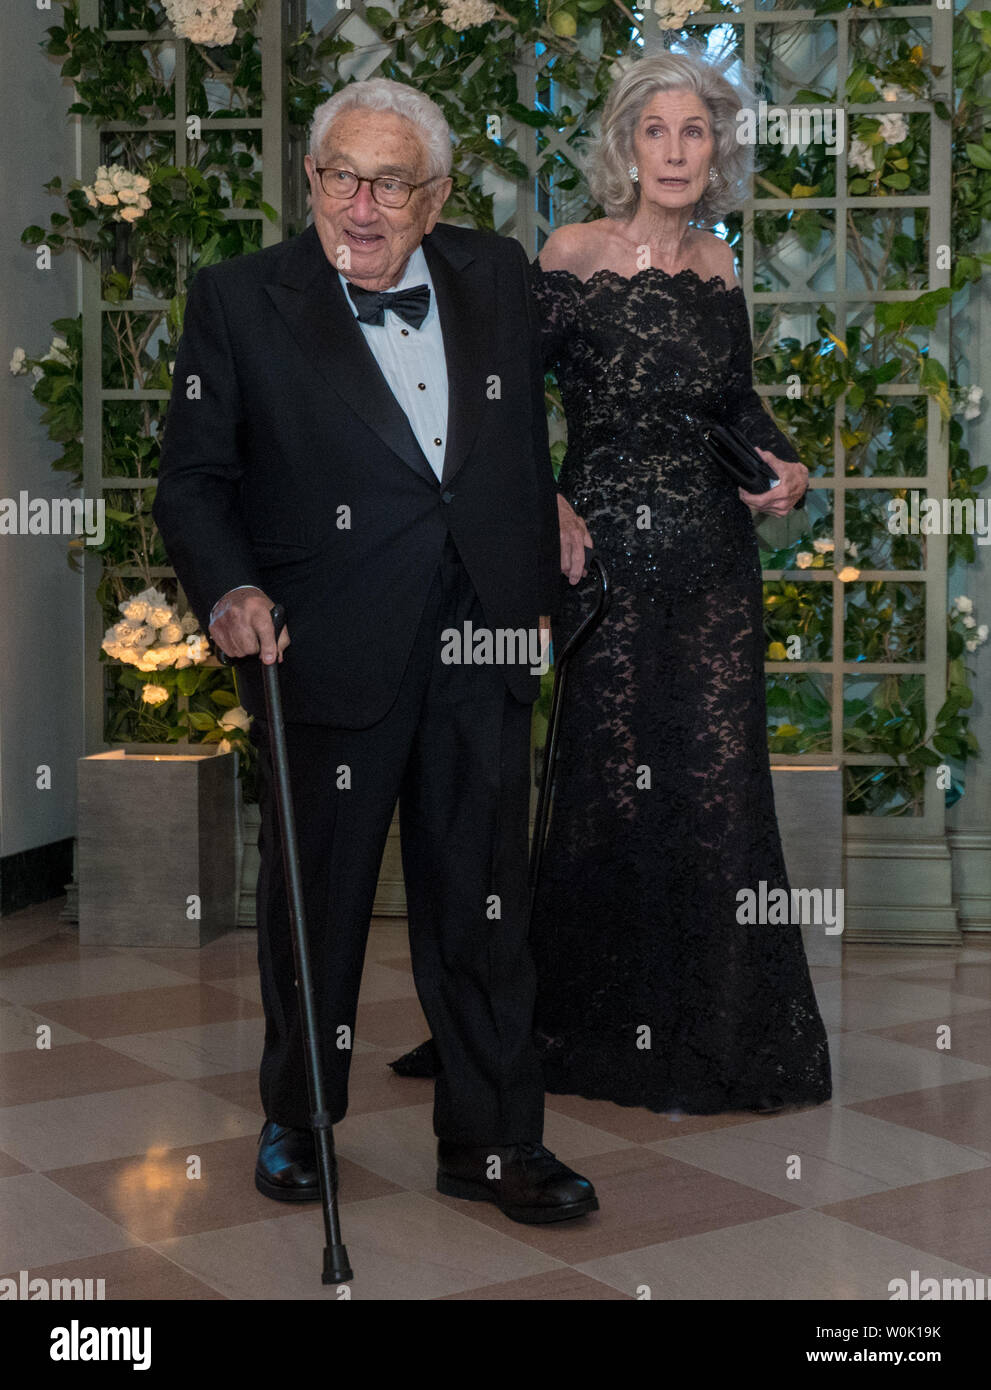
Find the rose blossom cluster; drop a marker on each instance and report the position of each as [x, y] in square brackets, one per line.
[151, 635]
[467, 14]
[118, 188]
[963, 607]
[673, 14]
[207, 22]
[56, 353]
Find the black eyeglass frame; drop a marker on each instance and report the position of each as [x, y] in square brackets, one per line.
[411, 188]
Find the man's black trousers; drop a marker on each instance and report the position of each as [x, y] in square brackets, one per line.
[454, 752]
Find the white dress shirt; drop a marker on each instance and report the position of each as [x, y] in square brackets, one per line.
[413, 364]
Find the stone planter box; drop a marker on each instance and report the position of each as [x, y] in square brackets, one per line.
[156, 851]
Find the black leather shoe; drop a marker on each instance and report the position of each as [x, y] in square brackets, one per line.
[422, 1061]
[286, 1169]
[534, 1187]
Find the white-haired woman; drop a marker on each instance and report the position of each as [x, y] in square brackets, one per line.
[651, 992]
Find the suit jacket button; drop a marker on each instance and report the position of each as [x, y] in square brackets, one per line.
[447, 497]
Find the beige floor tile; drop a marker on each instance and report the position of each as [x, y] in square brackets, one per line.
[198, 1051]
[557, 1286]
[113, 1124]
[801, 1255]
[401, 1247]
[388, 936]
[969, 1036]
[41, 1223]
[77, 979]
[392, 1023]
[890, 960]
[19, 1029]
[398, 1144]
[73, 1069]
[246, 986]
[139, 1274]
[866, 1066]
[948, 1217]
[147, 1010]
[960, 1114]
[638, 1125]
[880, 1002]
[843, 1154]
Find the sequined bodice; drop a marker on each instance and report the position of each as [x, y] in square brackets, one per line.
[644, 363]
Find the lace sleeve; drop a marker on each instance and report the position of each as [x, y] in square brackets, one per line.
[743, 407]
[556, 294]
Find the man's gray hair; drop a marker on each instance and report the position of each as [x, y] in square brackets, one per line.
[382, 94]
[694, 71]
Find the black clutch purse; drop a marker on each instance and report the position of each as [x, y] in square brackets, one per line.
[738, 458]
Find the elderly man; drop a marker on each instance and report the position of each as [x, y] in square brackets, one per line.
[357, 431]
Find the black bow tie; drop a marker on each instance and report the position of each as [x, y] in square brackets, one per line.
[411, 305]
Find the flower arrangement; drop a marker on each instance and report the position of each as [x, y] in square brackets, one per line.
[121, 190]
[207, 22]
[151, 635]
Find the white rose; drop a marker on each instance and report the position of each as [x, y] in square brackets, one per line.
[982, 633]
[130, 214]
[861, 157]
[972, 646]
[161, 615]
[969, 621]
[189, 621]
[804, 559]
[893, 128]
[171, 632]
[224, 746]
[823, 547]
[197, 648]
[17, 360]
[236, 718]
[154, 694]
[963, 604]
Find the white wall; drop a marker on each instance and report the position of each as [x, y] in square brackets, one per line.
[41, 604]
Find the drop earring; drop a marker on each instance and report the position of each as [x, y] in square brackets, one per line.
[634, 173]
[713, 176]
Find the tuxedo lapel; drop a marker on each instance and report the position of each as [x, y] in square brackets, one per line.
[310, 299]
[466, 301]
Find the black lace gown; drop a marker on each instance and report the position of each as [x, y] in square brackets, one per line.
[650, 992]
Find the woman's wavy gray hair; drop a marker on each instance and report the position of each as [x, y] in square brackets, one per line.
[697, 71]
[382, 94]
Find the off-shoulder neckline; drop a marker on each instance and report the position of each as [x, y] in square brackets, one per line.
[714, 282]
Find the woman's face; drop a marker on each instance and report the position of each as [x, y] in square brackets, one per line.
[673, 145]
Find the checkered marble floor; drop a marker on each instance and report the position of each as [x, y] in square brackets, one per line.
[127, 1148]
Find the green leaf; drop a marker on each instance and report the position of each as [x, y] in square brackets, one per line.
[979, 156]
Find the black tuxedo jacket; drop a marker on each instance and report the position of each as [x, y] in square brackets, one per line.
[288, 463]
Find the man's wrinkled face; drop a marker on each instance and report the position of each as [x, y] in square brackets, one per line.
[370, 244]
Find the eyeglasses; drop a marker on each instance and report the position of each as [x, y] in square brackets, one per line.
[389, 192]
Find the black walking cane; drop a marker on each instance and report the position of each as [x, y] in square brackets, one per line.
[423, 1060]
[336, 1268]
[574, 643]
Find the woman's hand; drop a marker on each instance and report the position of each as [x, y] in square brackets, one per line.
[575, 540]
[780, 500]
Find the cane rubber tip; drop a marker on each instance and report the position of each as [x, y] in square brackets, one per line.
[336, 1266]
